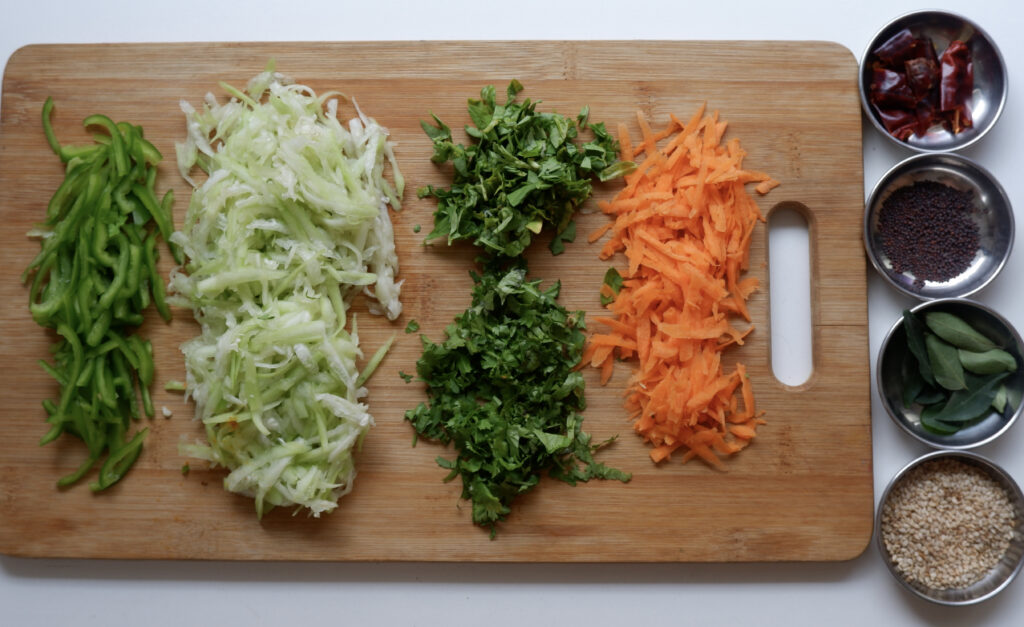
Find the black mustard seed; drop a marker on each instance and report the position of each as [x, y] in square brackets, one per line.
[927, 231]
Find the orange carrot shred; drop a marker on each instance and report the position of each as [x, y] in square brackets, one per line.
[625, 145]
[606, 371]
[684, 222]
[599, 232]
[742, 431]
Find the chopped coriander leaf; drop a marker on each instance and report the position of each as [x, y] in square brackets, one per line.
[613, 280]
[415, 228]
[412, 327]
[557, 245]
[504, 390]
[524, 170]
[405, 376]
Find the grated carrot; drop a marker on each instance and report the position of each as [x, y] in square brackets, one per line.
[684, 221]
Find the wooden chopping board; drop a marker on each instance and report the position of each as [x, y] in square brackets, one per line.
[802, 491]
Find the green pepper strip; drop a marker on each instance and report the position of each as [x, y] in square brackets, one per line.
[37, 284]
[161, 217]
[145, 367]
[105, 387]
[56, 374]
[71, 186]
[99, 328]
[85, 377]
[84, 302]
[147, 401]
[51, 137]
[124, 203]
[150, 154]
[82, 153]
[119, 275]
[76, 367]
[127, 382]
[118, 154]
[143, 350]
[156, 283]
[74, 477]
[86, 429]
[119, 461]
[100, 239]
[131, 284]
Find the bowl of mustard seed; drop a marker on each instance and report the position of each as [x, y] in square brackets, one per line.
[950, 528]
[938, 226]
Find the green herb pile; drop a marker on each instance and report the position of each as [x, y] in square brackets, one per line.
[91, 282]
[503, 386]
[505, 391]
[523, 171]
[953, 372]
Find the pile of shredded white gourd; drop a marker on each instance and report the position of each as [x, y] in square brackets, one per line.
[290, 224]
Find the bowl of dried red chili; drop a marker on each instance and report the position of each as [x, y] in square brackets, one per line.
[932, 81]
[938, 226]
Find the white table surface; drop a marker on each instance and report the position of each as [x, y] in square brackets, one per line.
[86, 592]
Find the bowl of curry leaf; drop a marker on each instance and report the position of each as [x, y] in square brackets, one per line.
[950, 373]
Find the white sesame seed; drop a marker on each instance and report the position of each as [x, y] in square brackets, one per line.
[946, 524]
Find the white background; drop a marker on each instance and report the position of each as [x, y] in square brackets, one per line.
[84, 593]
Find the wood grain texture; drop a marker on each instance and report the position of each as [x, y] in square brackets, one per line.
[803, 491]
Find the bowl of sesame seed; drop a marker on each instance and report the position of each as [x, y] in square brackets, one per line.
[938, 226]
[950, 528]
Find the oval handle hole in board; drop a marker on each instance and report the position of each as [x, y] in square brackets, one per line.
[789, 281]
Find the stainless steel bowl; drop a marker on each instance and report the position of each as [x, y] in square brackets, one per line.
[990, 79]
[1001, 574]
[889, 377]
[993, 215]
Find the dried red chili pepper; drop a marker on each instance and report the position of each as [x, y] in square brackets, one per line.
[912, 88]
[890, 89]
[956, 85]
[900, 123]
[925, 113]
[922, 74]
[896, 49]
